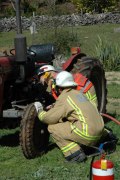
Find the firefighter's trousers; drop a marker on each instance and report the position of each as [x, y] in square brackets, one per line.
[66, 139]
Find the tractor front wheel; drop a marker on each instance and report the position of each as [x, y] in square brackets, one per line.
[34, 136]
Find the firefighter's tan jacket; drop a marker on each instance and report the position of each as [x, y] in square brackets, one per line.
[74, 107]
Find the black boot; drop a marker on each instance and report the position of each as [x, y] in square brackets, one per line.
[78, 156]
[109, 142]
[108, 135]
[111, 137]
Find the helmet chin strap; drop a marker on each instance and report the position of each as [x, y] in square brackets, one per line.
[47, 75]
[59, 90]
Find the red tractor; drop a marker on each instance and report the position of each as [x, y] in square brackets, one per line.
[19, 88]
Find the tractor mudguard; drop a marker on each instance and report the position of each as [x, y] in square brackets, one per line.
[71, 60]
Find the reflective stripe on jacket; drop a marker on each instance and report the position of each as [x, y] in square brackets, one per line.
[74, 107]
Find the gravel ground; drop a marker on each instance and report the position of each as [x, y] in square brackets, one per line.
[113, 105]
[113, 77]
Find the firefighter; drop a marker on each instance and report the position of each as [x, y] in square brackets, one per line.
[47, 74]
[73, 121]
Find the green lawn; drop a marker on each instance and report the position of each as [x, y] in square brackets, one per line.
[87, 36]
[113, 91]
[51, 166]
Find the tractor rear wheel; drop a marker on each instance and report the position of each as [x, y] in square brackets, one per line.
[93, 70]
[34, 136]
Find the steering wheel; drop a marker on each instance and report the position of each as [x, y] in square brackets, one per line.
[29, 52]
[12, 52]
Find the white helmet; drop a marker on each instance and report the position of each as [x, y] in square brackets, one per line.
[65, 79]
[45, 68]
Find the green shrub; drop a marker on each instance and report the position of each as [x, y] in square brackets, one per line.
[95, 6]
[109, 54]
[63, 39]
[8, 11]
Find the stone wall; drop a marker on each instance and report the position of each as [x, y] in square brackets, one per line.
[8, 24]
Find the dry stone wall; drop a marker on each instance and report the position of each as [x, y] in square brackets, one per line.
[8, 24]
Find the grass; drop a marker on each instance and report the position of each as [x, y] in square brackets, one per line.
[51, 166]
[113, 105]
[113, 90]
[87, 36]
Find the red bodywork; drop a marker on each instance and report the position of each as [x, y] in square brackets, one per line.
[68, 62]
[8, 74]
[5, 69]
[71, 60]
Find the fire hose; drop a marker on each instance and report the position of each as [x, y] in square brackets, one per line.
[111, 118]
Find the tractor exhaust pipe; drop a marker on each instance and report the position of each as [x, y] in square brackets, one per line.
[20, 39]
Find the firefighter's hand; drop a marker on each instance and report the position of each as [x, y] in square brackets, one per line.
[38, 106]
[42, 80]
[49, 107]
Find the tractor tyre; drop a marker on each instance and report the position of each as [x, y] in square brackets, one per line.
[93, 70]
[34, 136]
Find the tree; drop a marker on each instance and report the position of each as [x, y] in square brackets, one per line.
[95, 5]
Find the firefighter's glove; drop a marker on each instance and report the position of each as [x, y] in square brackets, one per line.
[38, 106]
